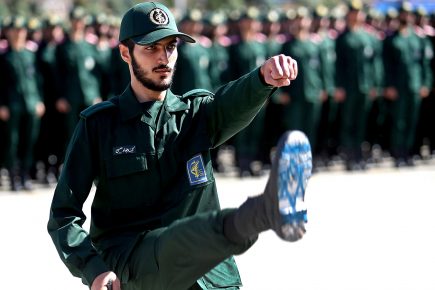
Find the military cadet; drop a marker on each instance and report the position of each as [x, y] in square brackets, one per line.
[272, 29]
[193, 59]
[424, 126]
[324, 37]
[247, 52]
[407, 79]
[303, 100]
[50, 149]
[119, 73]
[377, 113]
[104, 53]
[355, 83]
[273, 22]
[4, 111]
[21, 104]
[216, 30]
[76, 61]
[156, 221]
[432, 94]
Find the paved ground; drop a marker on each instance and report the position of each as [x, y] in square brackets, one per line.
[367, 231]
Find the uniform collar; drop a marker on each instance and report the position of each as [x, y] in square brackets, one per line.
[130, 106]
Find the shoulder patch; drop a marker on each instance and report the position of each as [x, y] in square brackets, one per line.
[97, 108]
[197, 93]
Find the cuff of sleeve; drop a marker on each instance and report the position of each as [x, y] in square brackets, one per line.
[261, 78]
[93, 268]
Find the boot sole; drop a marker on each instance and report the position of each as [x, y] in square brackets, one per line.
[294, 170]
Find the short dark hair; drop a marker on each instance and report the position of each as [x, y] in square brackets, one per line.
[130, 44]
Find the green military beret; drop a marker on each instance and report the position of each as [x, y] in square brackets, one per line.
[149, 22]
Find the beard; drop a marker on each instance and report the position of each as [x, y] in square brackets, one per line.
[148, 83]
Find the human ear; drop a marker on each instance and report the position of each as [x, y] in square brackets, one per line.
[125, 53]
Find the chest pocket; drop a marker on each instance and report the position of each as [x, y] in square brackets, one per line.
[126, 164]
[132, 181]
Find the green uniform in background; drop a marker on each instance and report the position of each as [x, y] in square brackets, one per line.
[328, 124]
[245, 56]
[193, 61]
[119, 73]
[21, 94]
[303, 111]
[173, 229]
[356, 74]
[79, 83]
[407, 69]
[50, 149]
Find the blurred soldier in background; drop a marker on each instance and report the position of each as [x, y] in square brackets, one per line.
[407, 79]
[119, 73]
[50, 149]
[304, 99]
[195, 58]
[425, 123]
[78, 73]
[104, 53]
[246, 53]
[356, 80]
[21, 103]
[4, 112]
[216, 30]
[273, 24]
[327, 132]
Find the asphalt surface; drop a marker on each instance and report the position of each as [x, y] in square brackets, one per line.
[372, 230]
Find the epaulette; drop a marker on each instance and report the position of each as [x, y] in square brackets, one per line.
[92, 110]
[197, 93]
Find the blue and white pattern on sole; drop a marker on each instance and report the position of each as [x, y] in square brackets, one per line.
[294, 170]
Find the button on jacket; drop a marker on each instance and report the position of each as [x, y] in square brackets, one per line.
[150, 168]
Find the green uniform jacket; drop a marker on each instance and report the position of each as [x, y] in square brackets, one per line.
[309, 84]
[147, 176]
[78, 71]
[20, 80]
[193, 63]
[407, 62]
[356, 62]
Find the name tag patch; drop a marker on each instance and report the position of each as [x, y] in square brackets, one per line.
[196, 170]
[126, 149]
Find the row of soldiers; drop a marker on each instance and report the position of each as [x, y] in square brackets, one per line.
[361, 78]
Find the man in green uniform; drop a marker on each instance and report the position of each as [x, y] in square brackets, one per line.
[156, 221]
[193, 59]
[304, 98]
[248, 51]
[355, 83]
[21, 104]
[78, 72]
[51, 149]
[408, 78]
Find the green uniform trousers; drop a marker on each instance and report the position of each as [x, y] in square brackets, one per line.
[177, 257]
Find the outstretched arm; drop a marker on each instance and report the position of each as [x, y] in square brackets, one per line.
[238, 102]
